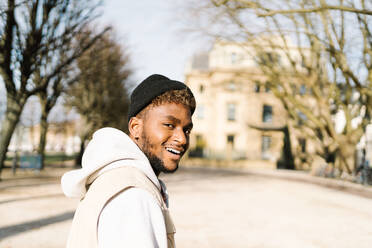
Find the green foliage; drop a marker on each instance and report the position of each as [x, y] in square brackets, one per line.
[50, 159]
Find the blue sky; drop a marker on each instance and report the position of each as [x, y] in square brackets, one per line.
[153, 34]
[151, 31]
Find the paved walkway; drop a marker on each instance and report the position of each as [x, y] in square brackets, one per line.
[219, 209]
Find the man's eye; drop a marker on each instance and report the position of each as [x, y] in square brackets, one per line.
[169, 125]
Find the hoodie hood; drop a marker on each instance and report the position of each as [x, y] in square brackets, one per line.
[109, 148]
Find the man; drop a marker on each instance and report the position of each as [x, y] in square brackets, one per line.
[123, 203]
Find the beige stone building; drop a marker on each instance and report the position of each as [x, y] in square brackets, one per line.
[234, 107]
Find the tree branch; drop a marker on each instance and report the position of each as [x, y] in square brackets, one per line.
[317, 9]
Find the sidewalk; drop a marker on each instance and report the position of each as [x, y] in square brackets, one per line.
[300, 176]
[211, 208]
[305, 177]
[52, 174]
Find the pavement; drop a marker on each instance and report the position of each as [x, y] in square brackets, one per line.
[210, 207]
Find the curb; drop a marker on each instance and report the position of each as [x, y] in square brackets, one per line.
[299, 176]
[304, 177]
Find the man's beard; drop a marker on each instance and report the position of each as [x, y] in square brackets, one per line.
[156, 163]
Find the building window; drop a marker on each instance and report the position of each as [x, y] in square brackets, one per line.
[230, 140]
[302, 143]
[198, 150]
[267, 113]
[302, 90]
[200, 112]
[201, 88]
[265, 147]
[231, 109]
[200, 143]
[267, 87]
[234, 58]
[301, 118]
[257, 87]
[231, 86]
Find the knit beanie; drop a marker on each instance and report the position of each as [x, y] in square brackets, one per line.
[150, 88]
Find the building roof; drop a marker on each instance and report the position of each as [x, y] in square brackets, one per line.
[200, 61]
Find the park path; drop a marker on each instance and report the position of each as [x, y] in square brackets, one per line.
[211, 208]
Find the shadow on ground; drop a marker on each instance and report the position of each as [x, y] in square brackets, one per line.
[9, 231]
[31, 198]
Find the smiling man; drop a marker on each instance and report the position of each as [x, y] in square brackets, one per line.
[123, 203]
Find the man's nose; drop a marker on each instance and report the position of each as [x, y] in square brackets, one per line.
[180, 136]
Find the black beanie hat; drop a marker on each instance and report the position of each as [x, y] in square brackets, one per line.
[148, 89]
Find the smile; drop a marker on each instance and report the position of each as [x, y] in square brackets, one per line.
[174, 151]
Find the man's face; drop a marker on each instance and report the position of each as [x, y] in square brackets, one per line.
[165, 134]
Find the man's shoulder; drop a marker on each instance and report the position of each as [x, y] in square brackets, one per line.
[119, 180]
[129, 176]
[134, 197]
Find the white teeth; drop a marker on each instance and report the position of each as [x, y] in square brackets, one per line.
[173, 151]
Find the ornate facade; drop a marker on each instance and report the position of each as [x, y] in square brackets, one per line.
[237, 116]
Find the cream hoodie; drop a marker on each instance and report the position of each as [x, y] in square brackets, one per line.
[133, 218]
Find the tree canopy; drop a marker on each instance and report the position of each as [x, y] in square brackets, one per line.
[317, 57]
[100, 94]
[36, 46]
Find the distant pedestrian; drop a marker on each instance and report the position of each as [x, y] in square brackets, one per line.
[123, 203]
[364, 169]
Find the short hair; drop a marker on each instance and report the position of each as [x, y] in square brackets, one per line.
[183, 96]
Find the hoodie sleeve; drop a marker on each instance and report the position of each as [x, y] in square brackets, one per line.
[132, 219]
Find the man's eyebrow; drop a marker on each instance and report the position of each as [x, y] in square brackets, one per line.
[175, 120]
[172, 118]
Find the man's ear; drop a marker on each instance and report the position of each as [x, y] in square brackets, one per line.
[135, 126]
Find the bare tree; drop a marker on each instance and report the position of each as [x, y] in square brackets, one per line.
[58, 84]
[48, 99]
[317, 57]
[31, 34]
[100, 95]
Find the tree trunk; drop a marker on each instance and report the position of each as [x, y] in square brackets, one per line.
[13, 112]
[286, 161]
[346, 155]
[287, 150]
[43, 134]
[81, 152]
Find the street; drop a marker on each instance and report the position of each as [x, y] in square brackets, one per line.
[210, 208]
